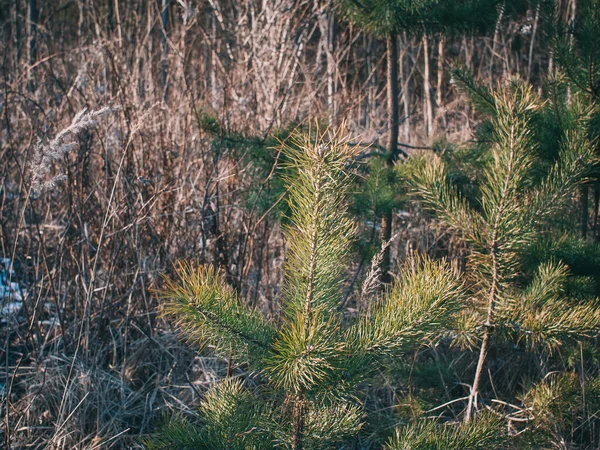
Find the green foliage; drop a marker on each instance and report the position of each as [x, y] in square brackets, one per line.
[559, 407]
[543, 315]
[311, 362]
[206, 309]
[378, 191]
[320, 237]
[178, 434]
[385, 17]
[229, 421]
[583, 259]
[576, 48]
[518, 198]
[487, 432]
[423, 297]
[510, 211]
[207, 122]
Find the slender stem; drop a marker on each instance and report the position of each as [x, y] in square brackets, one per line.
[298, 418]
[486, 338]
[312, 265]
[489, 321]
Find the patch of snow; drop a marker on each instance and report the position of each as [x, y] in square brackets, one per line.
[10, 309]
[11, 294]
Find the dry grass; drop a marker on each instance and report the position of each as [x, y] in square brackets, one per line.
[65, 404]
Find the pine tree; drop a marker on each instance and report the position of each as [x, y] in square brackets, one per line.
[578, 57]
[387, 19]
[306, 367]
[513, 208]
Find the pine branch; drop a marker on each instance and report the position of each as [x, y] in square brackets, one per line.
[426, 175]
[575, 160]
[206, 309]
[321, 232]
[544, 316]
[231, 420]
[421, 302]
[480, 96]
[487, 432]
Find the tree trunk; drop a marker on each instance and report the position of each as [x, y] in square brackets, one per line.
[326, 27]
[440, 73]
[495, 43]
[532, 43]
[406, 87]
[584, 194]
[489, 321]
[33, 21]
[427, 106]
[16, 36]
[164, 17]
[298, 419]
[393, 131]
[596, 211]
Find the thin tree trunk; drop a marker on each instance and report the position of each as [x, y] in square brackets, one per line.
[117, 19]
[213, 67]
[440, 73]
[164, 17]
[495, 42]
[596, 212]
[371, 88]
[406, 87]
[532, 43]
[493, 292]
[487, 333]
[32, 43]
[298, 419]
[326, 27]
[393, 131]
[584, 194]
[572, 11]
[33, 21]
[16, 36]
[427, 106]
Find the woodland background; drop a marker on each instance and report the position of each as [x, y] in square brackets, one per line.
[182, 166]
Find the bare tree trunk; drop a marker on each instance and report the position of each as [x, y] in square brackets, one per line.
[118, 23]
[532, 43]
[213, 67]
[392, 97]
[572, 11]
[440, 82]
[406, 88]
[16, 36]
[393, 132]
[596, 212]
[33, 21]
[32, 43]
[427, 106]
[371, 87]
[164, 17]
[495, 42]
[327, 29]
[440, 73]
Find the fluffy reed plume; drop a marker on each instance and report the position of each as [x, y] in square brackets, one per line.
[58, 147]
